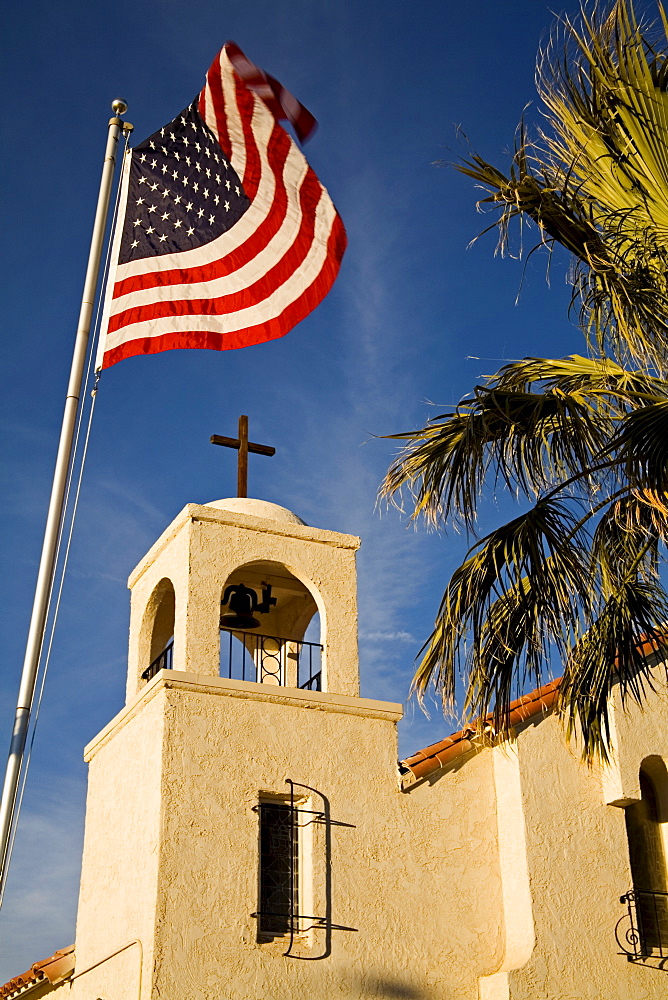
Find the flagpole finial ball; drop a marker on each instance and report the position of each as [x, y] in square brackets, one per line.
[119, 106]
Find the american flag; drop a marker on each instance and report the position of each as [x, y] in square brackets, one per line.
[226, 237]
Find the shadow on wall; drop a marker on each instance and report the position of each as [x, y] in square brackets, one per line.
[390, 989]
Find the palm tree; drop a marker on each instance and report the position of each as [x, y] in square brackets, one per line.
[582, 442]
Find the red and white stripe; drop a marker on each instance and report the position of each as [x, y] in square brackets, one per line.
[251, 284]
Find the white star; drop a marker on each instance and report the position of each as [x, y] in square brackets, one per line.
[216, 158]
[142, 180]
[198, 166]
[191, 231]
[166, 193]
[177, 199]
[200, 213]
[154, 163]
[183, 121]
[227, 206]
[152, 145]
[192, 125]
[137, 222]
[153, 187]
[207, 151]
[198, 147]
[225, 164]
[218, 180]
[195, 186]
[162, 132]
[212, 219]
[216, 199]
[205, 192]
[176, 155]
[142, 157]
[188, 161]
[175, 174]
[227, 185]
[163, 238]
[140, 201]
[172, 137]
[185, 180]
[164, 168]
[237, 189]
[177, 224]
[164, 150]
[165, 215]
[185, 140]
[208, 172]
[134, 244]
[189, 206]
[151, 208]
[150, 229]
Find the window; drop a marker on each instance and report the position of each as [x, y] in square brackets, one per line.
[644, 829]
[279, 868]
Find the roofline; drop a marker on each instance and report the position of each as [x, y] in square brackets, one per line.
[439, 755]
[541, 701]
[54, 970]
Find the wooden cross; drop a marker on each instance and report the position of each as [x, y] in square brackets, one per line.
[244, 446]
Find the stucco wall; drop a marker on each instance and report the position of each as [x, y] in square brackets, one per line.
[117, 897]
[424, 918]
[579, 864]
[414, 876]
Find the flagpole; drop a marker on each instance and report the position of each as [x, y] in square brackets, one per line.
[47, 563]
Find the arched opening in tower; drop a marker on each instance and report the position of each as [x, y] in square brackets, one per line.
[270, 628]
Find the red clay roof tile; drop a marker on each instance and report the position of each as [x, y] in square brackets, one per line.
[438, 755]
[54, 969]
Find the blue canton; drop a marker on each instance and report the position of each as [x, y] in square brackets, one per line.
[183, 192]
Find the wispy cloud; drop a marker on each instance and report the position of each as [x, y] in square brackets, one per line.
[387, 637]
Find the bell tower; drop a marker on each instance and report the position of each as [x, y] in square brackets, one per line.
[220, 798]
[255, 555]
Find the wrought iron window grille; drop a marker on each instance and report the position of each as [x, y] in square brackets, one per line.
[293, 922]
[642, 932]
[271, 659]
[162, 662]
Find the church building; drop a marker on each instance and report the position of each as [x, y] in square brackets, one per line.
[249, 835]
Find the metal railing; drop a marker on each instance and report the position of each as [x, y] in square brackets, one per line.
[162, 662]
[642, 933]
[266, 659]
[270, 659]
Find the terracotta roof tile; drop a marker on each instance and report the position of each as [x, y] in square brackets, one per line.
[54, 969]
[438, 755]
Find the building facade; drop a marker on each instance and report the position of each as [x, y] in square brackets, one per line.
[250, 837]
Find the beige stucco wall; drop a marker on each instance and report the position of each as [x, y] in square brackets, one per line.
[121, 856]
[578, 860]
[425, 920]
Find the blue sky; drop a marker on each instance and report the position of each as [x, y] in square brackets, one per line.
[415, 319]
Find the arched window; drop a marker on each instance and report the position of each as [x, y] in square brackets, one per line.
[160, 614]
[645, 826]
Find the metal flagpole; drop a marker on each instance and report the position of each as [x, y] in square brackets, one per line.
[47, 563]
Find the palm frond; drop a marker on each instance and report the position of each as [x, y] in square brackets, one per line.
[627, 528]
[530, 441]
[596, 180]
[642, 444]
[584, 440]
[612, 652]
[522, 588]
[608, 387]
